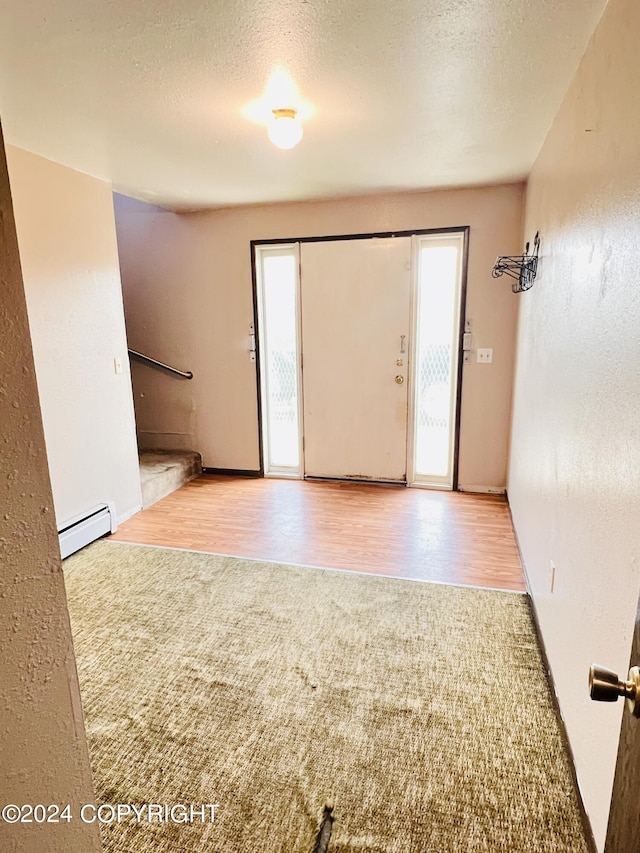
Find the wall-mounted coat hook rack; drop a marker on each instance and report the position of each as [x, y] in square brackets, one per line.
[522, 268]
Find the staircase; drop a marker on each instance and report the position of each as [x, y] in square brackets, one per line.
[164, 471]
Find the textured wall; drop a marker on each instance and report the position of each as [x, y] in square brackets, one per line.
[574, 481]
[188, 299]
[42, 740]
[68, 250]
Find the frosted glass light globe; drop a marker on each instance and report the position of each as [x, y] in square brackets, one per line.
[285, 130]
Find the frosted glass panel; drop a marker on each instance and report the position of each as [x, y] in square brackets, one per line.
[437, 340]
[279, 342]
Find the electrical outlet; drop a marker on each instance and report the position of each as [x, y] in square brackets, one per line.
[485, 356]
[552, 576]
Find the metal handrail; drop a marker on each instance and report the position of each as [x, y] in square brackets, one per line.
[145, 359]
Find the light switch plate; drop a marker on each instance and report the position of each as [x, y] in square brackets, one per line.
[117, 364]
[485, 356]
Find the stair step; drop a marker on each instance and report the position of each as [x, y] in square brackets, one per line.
[164, 471]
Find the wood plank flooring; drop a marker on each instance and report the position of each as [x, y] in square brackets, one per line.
[390, 530]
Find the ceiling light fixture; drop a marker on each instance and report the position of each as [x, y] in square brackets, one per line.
[285, 130]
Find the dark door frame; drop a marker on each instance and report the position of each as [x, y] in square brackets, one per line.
[463, 229]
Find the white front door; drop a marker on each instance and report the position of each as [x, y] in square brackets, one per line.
[355, 300]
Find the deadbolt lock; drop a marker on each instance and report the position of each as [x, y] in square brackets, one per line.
[605, 686]
[399, 379]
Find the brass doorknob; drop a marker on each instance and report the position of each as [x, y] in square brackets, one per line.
[399, 379]
[605, 686]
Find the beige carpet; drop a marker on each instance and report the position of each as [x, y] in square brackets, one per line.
[420, 710]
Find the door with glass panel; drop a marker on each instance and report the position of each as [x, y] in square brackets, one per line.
[359, 357]
[437, 302]
[278, 292]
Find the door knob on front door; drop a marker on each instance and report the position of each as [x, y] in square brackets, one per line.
[399, 379]
[605, 686]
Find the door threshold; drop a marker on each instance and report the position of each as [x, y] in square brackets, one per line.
[360, 480]
[441, 487]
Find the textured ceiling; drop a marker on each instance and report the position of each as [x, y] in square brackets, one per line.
[164, 98]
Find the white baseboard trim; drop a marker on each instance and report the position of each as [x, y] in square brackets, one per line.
[484, 490]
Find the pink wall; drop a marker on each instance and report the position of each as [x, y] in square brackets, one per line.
[69, 257]
[188, 300]
[42, 738]
[574, 482]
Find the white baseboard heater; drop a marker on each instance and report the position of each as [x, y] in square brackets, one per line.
[83, 529]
